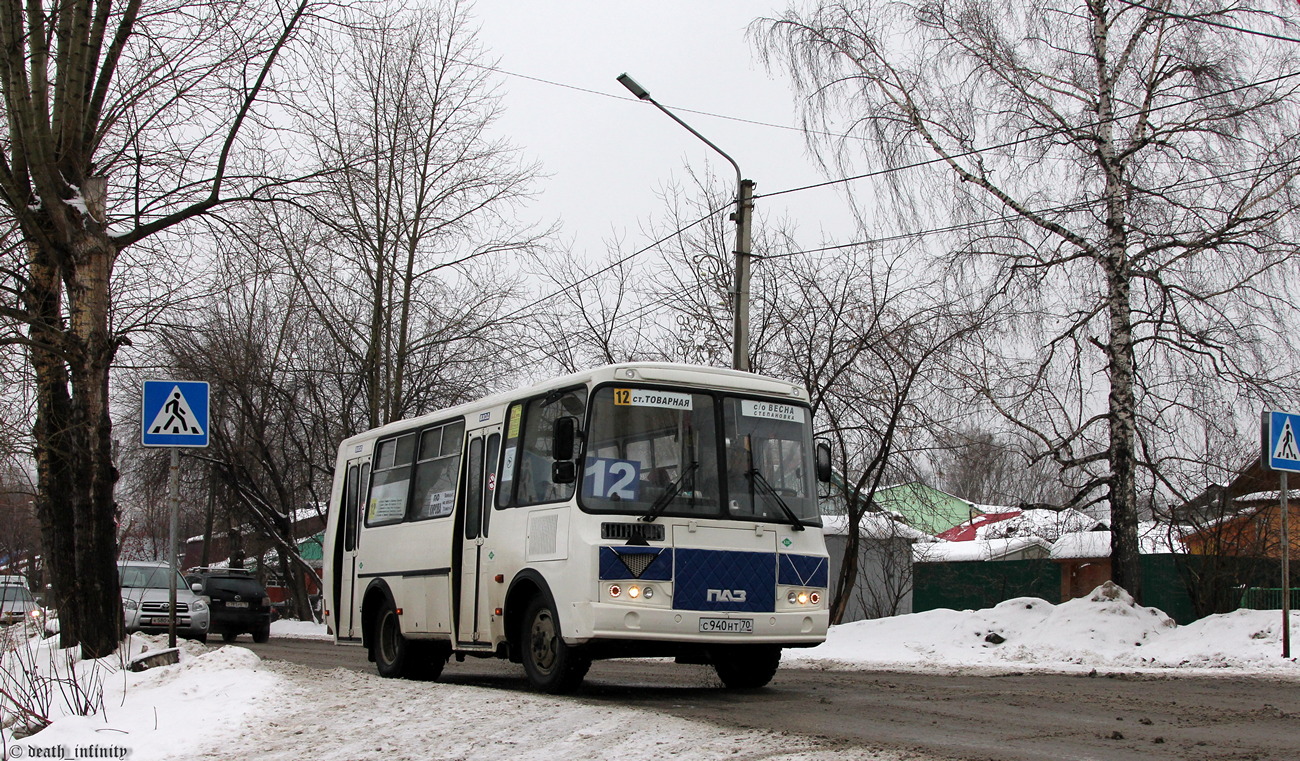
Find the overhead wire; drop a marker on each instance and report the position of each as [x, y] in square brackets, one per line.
[888, 170]
[1210, 22]
[1027, 139]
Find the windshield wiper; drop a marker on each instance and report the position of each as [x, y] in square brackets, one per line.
[667, 497]
[757, 479]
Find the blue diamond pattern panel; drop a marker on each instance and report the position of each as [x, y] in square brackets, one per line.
[724, 580]
[804, 571]
[624, 562]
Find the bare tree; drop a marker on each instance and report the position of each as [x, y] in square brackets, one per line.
[1126, 180]
[403, 255]
[271, 448]
[869, 338]
[597, 315]
[991, 468]
[123, 120]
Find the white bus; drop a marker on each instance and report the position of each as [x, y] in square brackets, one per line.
[645, 509]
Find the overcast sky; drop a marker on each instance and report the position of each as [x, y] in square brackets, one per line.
[607, 153]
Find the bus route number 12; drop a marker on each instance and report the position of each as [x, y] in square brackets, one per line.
[607, 478]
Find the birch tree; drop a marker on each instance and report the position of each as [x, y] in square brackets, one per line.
[1126, 176]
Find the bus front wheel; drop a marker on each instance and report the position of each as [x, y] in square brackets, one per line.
[552, 666]
[746, 667]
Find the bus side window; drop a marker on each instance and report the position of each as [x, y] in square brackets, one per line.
[509, 457]
[534, 479]
[390, 486]
[437, 471]
[349, 517]
[363, 487]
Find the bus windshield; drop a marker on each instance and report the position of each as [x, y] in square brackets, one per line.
[665, 452]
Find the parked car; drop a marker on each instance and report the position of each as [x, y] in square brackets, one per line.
[237, 602]
[145, 601]
[17, 604]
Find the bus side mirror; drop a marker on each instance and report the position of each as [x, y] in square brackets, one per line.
[564, 472]
[562, 438]
[823, 462]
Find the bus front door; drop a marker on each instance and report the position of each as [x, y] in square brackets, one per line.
[474, 615]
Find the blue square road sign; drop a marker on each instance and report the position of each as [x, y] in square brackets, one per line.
[1280, 436]
[174, 413]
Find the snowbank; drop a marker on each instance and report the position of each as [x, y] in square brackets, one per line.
[169, 712]
[1104, 631]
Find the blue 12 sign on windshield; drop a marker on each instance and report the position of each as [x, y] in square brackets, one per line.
[1279, 436]
[174, 414]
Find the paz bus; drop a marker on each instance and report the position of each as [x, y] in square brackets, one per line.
[643, 509]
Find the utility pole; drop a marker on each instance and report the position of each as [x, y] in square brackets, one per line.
[743, 216]
[740, 330]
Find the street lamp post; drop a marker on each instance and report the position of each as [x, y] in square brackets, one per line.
[742, 216]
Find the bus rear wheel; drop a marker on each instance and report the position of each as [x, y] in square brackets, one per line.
[552, 666]
[396, 656]
[745, 667]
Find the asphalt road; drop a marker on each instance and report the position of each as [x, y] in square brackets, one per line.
[1009, 717]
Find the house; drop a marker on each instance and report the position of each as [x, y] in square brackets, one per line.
[883, 586]
[1004, 522]
[248, 541]
[925, 508]
[1242, 518]
[1001, 548]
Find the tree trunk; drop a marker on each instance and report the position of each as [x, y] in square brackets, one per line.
[54, 473]
[96, 522]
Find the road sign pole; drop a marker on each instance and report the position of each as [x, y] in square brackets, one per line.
[1286, 575]
[175, 508]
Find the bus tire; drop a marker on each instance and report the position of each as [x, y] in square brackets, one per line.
[745, 667]
[393, 652]
[428, 660]
[552, 666]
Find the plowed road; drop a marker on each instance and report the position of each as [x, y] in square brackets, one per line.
[1009, 717]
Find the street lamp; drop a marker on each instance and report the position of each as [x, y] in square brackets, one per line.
[742, 216]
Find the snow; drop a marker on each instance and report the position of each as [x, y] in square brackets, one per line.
[286, 629]
[976, 549]
[1106, 631]
[874, 525]
[274, 710]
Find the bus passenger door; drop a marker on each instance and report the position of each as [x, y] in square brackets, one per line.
[474, 614]
[355, 488]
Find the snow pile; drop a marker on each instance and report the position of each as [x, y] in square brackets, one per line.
[1104, 631]
[289, 629]
[160, 713]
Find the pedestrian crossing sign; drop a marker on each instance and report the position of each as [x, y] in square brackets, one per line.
[174, 414]
[1279, 436]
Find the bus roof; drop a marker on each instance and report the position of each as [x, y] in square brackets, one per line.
[655, 372]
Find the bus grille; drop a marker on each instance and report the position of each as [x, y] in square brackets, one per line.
[650, 532]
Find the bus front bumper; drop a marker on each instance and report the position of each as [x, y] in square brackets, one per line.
[589, 621]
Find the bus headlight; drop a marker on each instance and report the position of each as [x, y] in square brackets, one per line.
[648, 592]
[634, 591]
[802, 597]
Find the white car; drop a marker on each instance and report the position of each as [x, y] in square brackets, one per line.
[145, 601]
[17, 604]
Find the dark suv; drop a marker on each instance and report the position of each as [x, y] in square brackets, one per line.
[238, 603]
